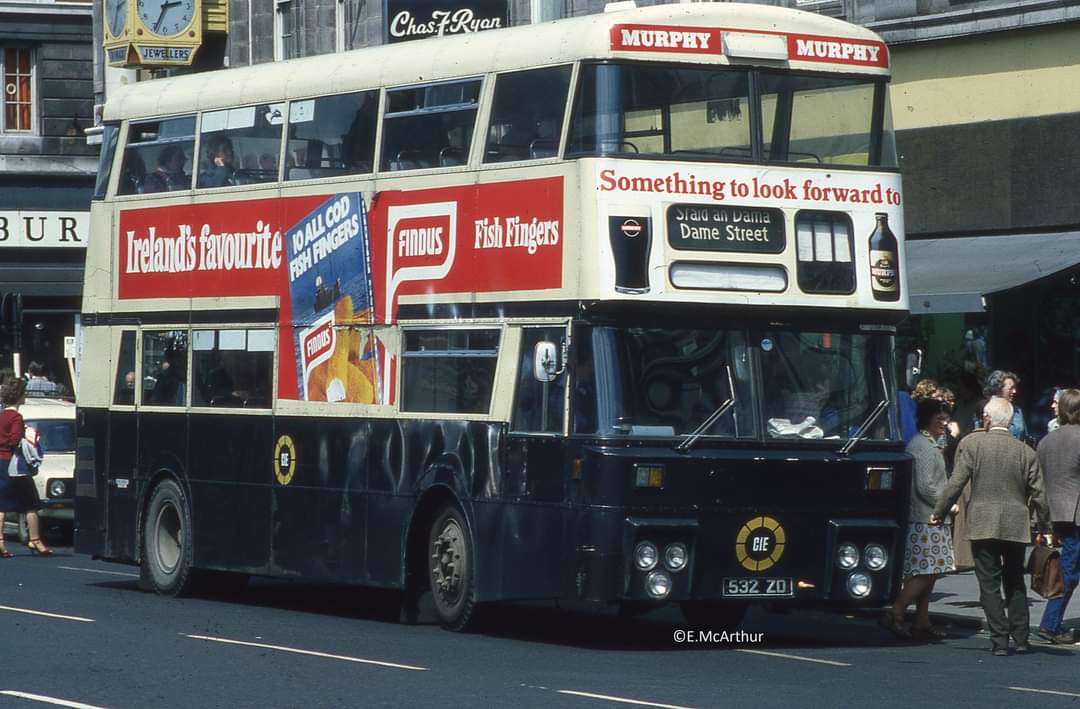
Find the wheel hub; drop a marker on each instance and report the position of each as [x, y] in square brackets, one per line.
[446, 553]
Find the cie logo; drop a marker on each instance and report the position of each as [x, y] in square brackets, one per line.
[760, 543]
[284, 460]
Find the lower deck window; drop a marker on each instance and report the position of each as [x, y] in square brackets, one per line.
[449, 371]
[232, 368]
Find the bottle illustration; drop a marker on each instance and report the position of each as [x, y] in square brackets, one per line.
[884, 262]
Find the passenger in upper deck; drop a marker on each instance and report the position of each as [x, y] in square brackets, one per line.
[221, 169]
[169, 174]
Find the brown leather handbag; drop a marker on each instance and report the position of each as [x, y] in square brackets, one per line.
[1044, 565]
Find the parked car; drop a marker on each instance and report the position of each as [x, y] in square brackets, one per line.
[54, 419]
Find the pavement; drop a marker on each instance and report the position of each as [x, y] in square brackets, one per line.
[955, 603]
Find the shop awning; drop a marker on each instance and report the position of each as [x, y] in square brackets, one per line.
[952, 275]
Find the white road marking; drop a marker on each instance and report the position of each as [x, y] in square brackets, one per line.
[48, 700]
[98, 571]
[298, 651]
[622, 700]
[795, 657]
[47, 615]
[1044, 691]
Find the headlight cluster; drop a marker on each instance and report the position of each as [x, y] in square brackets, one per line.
[57, 488]
[647, 557]
[874, 557]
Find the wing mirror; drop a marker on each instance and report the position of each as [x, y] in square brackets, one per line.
[546, 362]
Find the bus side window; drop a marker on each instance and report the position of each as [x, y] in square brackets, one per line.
[429, 126]
[232, 368]
[449, 371]
[526, 117]
[240, 146]
[158, 156]
[124, 393]
[530, 413]
[164, 368]
[332, 135]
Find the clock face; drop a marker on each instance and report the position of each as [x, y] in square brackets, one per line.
[116, 16]
[166, 18]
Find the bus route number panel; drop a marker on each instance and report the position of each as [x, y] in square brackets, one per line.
[758, 588]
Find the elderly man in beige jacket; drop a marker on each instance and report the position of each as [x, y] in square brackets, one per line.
[1004, 475]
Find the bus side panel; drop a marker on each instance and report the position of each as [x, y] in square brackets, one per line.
[90, 481]
[231, 472]
[519, 550]
[318, 516]
[121, 485]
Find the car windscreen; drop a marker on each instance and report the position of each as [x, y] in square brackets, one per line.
[57, 435]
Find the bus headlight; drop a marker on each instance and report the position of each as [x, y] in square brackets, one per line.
[675, 556]
[859, 585]
[875, 557]
[658, 584]
[847, 556]
[645, 556]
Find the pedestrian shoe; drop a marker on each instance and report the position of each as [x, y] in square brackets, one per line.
[1000, 652]
[890, 622]
[1023, 648]
[1065, 637]
[928, 632]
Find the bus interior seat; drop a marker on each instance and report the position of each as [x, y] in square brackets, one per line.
[409, 160]
[543, 148]
[451, 156]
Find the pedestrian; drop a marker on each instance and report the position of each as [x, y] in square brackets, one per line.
[928, 551]
[1054, 424]
[1004, 384]
[923, 389]
[37, 382]
[1004, 475]
[1059, 455]
[17, 492]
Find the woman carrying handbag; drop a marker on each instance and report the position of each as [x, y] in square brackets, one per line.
[17, 490]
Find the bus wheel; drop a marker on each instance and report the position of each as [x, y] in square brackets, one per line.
[713, 615]
[450, 569]
[166, 539]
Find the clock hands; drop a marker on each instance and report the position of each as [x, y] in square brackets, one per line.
[116, 13]
[165, 7]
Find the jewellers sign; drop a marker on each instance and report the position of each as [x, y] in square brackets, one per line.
[420, 19]
[34, 228]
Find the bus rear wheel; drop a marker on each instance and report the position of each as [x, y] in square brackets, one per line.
[451, 569]
[167, 554]
[713, 615]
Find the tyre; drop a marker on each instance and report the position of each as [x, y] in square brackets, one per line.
[452, 569]
[166, 541]
[713, 615]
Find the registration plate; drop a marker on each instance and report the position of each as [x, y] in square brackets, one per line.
[759, 588]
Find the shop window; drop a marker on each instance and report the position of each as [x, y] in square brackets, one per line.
[232, 368]
[164, 368]
[240, 146]
[526, 119]
[330, 136]
[825, 251]
[18, 71]
[124, 391]
[449, 371]
[158, 156]
[429, 126]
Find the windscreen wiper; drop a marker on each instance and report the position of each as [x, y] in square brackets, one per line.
[860, 432]
[692, 437]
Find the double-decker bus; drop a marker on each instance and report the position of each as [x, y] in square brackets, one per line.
[597, 310]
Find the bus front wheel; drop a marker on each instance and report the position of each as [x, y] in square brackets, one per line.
[713, 615]
[167, 551]
[451, 569]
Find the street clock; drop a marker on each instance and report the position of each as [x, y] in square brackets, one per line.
[166, 18]
[116, 18]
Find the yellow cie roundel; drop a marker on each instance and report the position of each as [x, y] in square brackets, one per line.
[760, 543]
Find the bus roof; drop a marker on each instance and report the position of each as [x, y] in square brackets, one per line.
[657, 33]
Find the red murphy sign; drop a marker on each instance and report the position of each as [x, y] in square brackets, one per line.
[674, 39]
[505, 236]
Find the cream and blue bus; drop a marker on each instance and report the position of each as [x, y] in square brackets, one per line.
[596, 310]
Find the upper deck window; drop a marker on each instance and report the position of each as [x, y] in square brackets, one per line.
[240, 146]
[157, 156]
[657, 110]
[817, 120]
[429, 126]
[332, 135]
[527, 116]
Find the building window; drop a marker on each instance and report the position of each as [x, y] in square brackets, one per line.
[18, 67]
